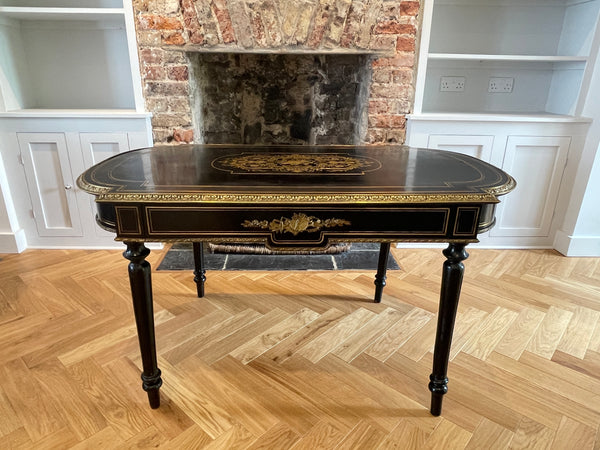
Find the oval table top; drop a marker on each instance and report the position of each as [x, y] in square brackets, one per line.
[294, 174]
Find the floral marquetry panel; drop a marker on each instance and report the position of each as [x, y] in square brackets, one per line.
[296, 163]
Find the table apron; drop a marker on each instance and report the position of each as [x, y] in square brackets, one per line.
[298, 225]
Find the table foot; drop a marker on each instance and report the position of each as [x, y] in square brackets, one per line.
[438, 388]
[452, 276]
[199, 272]
[151, 384]
[384, 252]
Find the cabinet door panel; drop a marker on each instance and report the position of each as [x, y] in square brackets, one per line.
[51, 183]
[97, 147]
[477, 146]
[537, 164]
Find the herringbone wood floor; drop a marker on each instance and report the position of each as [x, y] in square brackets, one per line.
[300, 359]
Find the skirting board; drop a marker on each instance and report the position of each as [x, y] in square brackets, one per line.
[17, 242]
[584, 246]
[13, 242]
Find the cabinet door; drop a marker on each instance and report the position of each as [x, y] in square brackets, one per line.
[537, 164]
[51, 184]
[477, 146]
[97, 147]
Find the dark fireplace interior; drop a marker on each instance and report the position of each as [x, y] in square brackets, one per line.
[251, 98]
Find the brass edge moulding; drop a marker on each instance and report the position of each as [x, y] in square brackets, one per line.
[113, 197]
[505, 188]
[91, 188]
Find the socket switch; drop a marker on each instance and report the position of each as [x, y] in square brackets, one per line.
[452, 84]
[501, 84]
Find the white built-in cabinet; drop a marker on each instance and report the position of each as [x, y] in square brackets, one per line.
[538, 162]
[42, 166]
[70, 96]
[50, 182]
[505, 81]
[52, 162]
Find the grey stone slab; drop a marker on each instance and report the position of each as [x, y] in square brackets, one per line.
[360, 257]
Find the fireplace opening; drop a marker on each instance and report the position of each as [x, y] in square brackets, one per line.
[253, 98]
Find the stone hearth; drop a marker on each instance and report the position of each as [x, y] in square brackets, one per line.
[178, 39]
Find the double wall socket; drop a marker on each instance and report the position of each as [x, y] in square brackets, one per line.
[501, 84]
[452, 84]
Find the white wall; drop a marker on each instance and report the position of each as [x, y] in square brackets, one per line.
[588, 223]
[580, 232]
[14, 74]
[12, 238]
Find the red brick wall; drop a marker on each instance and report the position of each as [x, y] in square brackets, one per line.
[166, 28]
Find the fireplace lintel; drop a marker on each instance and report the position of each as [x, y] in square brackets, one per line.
[280, 50]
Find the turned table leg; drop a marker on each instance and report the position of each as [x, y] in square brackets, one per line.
[199, 272]
[141, 292]
[384, 252]
[452, 276]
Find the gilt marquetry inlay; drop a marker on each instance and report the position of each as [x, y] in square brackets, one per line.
[296, 164]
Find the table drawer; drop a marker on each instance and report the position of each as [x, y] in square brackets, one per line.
[308, 225]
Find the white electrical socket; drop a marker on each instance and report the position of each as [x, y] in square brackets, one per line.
[503, 85]
[452, 84]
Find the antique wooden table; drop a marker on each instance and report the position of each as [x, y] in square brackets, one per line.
[295, 197]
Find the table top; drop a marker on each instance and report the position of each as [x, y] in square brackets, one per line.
[294, 174]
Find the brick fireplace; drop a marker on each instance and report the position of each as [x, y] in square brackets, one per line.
[278, 71]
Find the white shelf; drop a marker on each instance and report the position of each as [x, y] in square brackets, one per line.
[521, 58]
[523, 28]
[75, 113]
[63, 3]
[519, 3]
[539, 117]
[35, 13]
[545, 46]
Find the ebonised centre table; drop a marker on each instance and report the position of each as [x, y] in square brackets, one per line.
[295, 197]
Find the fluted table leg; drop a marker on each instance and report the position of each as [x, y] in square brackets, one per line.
[452, 276]
[141, 292]
[199, 272]
[384, 253]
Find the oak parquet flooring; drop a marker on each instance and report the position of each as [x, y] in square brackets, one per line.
[406, 435]
[301, 360]
[490, 435]
[347, 398]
